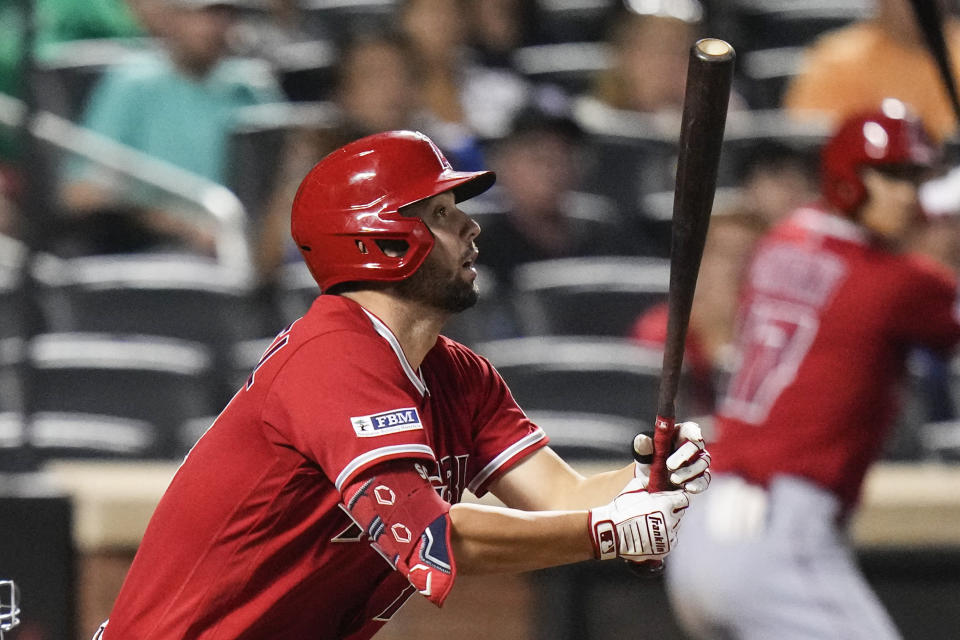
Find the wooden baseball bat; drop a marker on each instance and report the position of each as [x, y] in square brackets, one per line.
[930, 20]
[707, 93]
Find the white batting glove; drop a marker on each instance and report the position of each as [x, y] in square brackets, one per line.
[637, 525]
[689, 464]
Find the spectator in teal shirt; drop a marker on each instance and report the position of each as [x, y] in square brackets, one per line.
[178, 105]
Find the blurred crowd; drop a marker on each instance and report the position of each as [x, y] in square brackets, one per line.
[575, 105]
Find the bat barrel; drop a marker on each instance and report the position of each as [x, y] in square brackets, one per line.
[709, 76]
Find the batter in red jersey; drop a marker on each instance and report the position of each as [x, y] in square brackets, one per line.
[828, 313]
[328, 491]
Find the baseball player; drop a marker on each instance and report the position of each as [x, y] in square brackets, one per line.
[827, 314]
[328, 490]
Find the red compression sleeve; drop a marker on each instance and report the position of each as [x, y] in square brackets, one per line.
[406, 522]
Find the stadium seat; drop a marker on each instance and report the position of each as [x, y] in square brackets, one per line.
[589, 436]
[571, 66]
[766, 74]
[257, 145]
[306, 70]
[490, 318]
[98, 395]
[626, 166]
[608, 376]
[296, 292]
[13, 454]
[14, 326]
[12, 256]
[174, 295]
[343, 18]
[598, 296]
[572, 20]
[760, 24]
[748, 130]
[63, 81]
[940, 441]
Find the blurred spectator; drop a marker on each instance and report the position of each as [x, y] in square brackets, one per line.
[543, 216]
[938, 238]
[775, 178]
[55, 21]
[462, 97]
[58, 21]
[177, 105]
[498, 28]
[269, 26]
[493, 89]
[378, 80]
[650, 44]
[438, 35]
[9, 211]
[854, 68]
[729, 246]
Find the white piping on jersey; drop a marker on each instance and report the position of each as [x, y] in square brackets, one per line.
[416, 378]
[386, 614]
[829, 224]
[505, 455]
[382, 452]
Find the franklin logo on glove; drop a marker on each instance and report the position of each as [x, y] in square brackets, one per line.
[657, 537]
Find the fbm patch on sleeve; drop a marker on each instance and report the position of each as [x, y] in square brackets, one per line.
[380, 424]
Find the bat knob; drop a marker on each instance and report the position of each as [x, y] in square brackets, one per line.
[714, 50]
[648, 569]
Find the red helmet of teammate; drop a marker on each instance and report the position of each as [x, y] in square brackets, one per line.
[890, 136]
[352, 199]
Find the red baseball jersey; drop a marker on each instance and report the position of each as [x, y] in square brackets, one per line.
[251, 539]
[826, 320]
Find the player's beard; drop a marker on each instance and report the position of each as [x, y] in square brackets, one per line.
[434, 286]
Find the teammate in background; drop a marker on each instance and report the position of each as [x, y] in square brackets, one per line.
[732, 236]
[329, 489]
[830, 308]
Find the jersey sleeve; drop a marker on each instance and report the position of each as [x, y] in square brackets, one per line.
[503, 435]
[343, 401]
[926, 311]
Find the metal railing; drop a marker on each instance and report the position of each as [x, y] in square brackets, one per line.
[208, 197]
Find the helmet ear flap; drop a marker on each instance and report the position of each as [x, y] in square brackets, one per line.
[850, 194]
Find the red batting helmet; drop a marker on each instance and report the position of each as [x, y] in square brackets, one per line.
[890, 136]
[352, 198]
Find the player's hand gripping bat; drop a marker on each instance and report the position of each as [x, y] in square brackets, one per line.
[709, 75]
[930, 20]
